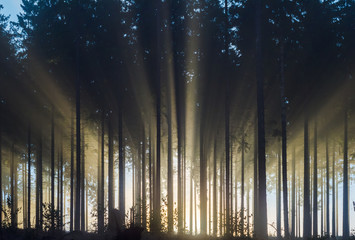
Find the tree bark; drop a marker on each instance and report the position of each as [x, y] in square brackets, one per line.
[72, 168]
[327, 185]
[346, 180]
[52, 173]
[144, 207]
[315, 186]
[203, 184]
[215, 217]
[29, 179]
[293, 222]
[261, 227]
[284, 144]
[278, 196]
[306, 205]
[121, 165]
[111, 197]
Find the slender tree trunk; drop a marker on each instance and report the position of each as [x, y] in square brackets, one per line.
[315, 186]
[111, 197]
[60, 184]
[255, 179]
[144, 207]
[284, 144]
[72, 166]
[215, 217]
[121, 166]
[327, 185]
[157, 189]
[82, 189]
[221, 199]
[346, 180]
[52, 172]
[333, 192]
[293, 232]
[29, 179]
[278, 196]
[306, 205]
[170, 172]
[150, 179]
[191, 200]
[1, 197]
[39, 181]
[13, 183]
[203, 185]
[242, 188]
[101, 215]
[261, 226]
[78, 144]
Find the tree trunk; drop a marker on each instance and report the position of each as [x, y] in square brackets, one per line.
[203, 183]
[144, 207]
[29, 179]
[278, 196]
[327, 185]
[293, 232]
[255, 179]
[121, 166]
[261, 227]
[307, 224]
[1, 199]
[315, 186]
[78, 144]
[39, 182]
[170, 172]
[157, 189]
[72, 168]
[346, 180]
[111, 197]
[333, 192]
[101, 205]
[215, 217]
[284, 145]
[52, 172]
[191, 200]
[242, 188]
[13, 188]
[82, 189]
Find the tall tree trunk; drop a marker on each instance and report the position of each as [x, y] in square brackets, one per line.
[261, 227]
[293, 223]
[242, 188]
[13, 183]
[39, 182]
[121, 166]
[215, 217]
[255, 178]
[203, 184]
[333, 192]
[327, 185]
[82, 189]
[221, 198]
[1, 198]
[227, 110]
[144, 195]
[284, 144]
[157, 189]
[170, 172]
[139, 185]
[150, 179]
[346, 180]
[72, 168]
[191, 200]
[52, 172]
[315, 186]
[278, 196]
[78, 144]
[29, 179]
[60, 184]
[306, 205]
[111, 197]
[101, 206]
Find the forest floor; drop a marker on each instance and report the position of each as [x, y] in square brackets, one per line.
[135, 234]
